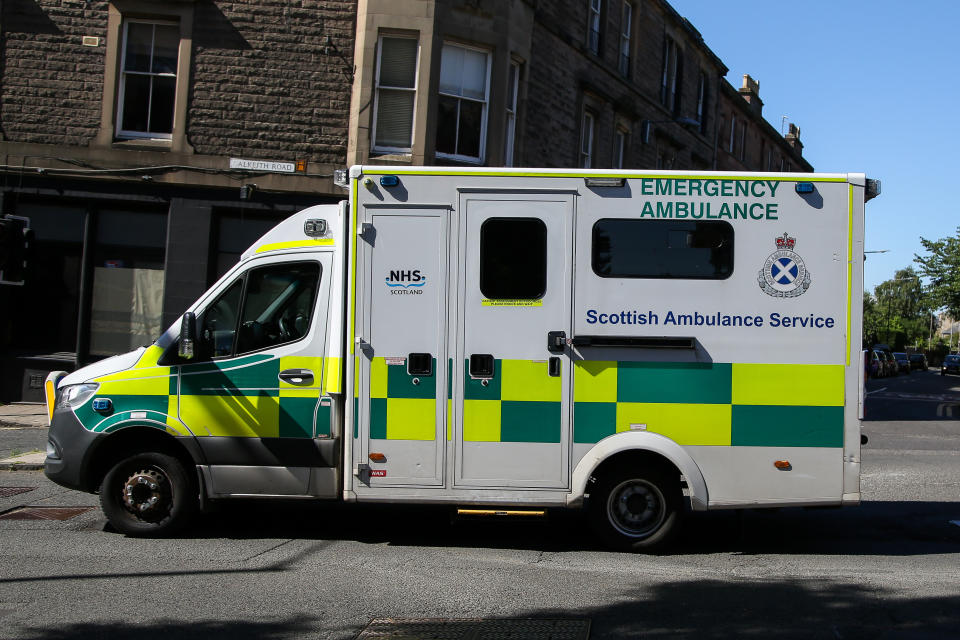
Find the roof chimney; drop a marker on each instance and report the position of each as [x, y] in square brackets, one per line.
[750, 91]
[793, 138]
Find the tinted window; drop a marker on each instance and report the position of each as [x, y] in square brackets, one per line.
[513, 258]
[218, 326]
[277, 305]
[629, 248]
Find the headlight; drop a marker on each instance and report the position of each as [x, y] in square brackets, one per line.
[75, 395]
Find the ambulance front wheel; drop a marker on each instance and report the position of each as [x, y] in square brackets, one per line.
[636, 510]
[148, 494]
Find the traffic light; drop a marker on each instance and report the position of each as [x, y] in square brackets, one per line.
[14, 236]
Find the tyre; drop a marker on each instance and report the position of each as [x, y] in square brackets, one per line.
[636, 509]
[148, 494]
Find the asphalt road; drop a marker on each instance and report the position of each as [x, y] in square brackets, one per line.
[889, 568]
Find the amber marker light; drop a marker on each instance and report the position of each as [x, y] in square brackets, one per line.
[378, 457]
[783, 465]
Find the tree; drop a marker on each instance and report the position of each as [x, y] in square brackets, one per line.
[899, 311]
[942, 267]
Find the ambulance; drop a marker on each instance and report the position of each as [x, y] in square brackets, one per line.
[636, 344]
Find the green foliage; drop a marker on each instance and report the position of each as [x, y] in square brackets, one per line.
[941, 266]
[899, 312]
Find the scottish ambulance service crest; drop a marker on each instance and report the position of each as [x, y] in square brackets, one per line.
[783, 274]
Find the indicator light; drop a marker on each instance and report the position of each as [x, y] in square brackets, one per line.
[783, 465]
[378, 457]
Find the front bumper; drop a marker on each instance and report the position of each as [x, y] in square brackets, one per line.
[75, 446]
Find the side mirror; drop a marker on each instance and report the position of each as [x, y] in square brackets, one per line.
[188, 335]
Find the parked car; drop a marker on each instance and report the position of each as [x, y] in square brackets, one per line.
[903, 362]
[889, 364]
[951, 364]
[918, 361]
[871, 364]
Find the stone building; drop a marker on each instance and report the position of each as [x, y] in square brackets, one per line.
[148, 143]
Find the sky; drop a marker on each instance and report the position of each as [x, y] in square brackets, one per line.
[872, 86]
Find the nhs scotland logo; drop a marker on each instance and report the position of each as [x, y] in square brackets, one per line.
[784, 275]
[405, 281]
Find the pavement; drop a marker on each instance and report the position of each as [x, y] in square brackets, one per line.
[23, 436]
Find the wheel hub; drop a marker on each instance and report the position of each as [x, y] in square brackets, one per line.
[146, 494]
[636, 508]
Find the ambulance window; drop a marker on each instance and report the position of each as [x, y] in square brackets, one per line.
[219, 323]
[513, 258]
[630, 248]
[277, 305]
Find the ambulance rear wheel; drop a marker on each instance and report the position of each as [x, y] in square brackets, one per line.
[636, 510]
[148, 494]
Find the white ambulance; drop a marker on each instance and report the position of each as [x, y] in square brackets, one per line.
[638, 343]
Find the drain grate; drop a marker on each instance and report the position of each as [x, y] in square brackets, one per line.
[43, 513]
[476, 629]
[6, 492]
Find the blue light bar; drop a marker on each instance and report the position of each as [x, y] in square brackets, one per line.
[389, 181]
[804, 188]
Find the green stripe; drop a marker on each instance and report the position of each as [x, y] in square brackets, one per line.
[785, 426]
[90, 418]
[378, 418]
[253, 380]
[674, 382]
[529, 421]
[594, 421]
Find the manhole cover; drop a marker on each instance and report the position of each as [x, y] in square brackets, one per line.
[43, 513]
[476, 629]
[6, 492]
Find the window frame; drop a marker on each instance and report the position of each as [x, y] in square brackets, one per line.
[594, 25]
[702, 93]
[731, 234]
[672, 75]
[586, 156]
[485, 108]
[626, 39]
[374, 147]
[620, 137]
[510, 126]
[127, 134]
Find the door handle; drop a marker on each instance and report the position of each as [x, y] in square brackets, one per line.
[553, 367]
[556, 341]
[297, 376]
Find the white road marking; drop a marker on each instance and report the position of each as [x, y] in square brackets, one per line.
[877, 390]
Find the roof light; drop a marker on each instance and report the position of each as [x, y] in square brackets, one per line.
[389, 181]
[804, 188]
[605, 182]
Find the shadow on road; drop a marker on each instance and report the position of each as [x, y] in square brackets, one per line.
[874, 528]
[747, 608]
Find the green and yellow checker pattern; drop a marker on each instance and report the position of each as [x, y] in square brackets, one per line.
[244, 397]
[721, 404]
[240, 397]
[399, 408]
[520, 403]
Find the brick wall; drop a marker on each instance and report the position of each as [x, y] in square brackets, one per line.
[262, 85]
[564, 75]
[52, 85]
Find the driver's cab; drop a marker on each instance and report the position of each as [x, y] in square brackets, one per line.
[252, 387]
